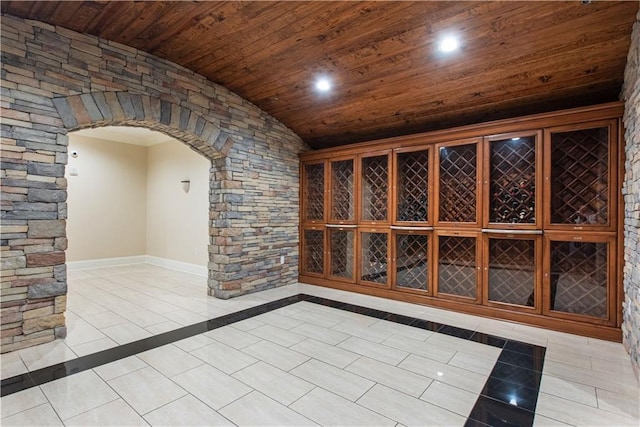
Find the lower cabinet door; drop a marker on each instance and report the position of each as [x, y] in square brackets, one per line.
[342, 263]
[457, 269]
[579, 278]
[411, 261]
[313, 251]
[374, 259]
[511, 270]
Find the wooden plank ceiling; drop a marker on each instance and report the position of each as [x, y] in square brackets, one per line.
[389, 78]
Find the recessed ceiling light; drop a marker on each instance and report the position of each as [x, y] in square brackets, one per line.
[515, 139]
[323, 84]
[449, 44]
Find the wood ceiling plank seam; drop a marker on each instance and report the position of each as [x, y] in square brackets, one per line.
[467, 102]
[306, 53]
[198, 30]
[171, 25]
[263, 46]
[511, 26]
[43, 9]
[65, 12]
[367, 40]
[181, 44]
[85, 16]
[232, 55]
[556, 38]
[440, 123]
[511, 76]
[146, 20]
[115, 25]
[460, 102]
[472, 90]
[19, 8]
[457, 118]
[384, 66]
[99, 22]
[533, 67]
[498, 109]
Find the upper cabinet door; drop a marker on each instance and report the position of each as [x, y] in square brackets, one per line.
[313, 192]
[375, 185]
[512, 185]
[459, 183]
[343, 191]
[579, 178]
[413, 169]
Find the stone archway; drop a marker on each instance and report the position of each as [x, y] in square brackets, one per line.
[98, 109]
[58, 81]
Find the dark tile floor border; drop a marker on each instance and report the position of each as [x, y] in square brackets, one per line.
[509, 396]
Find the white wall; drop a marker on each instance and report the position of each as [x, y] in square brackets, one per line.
[106, 203]
[127, 200]
[177, 222]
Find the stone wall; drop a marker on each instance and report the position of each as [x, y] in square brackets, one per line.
[631, 193]
[55, 81]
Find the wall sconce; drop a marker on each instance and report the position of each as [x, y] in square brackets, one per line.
[186, 184]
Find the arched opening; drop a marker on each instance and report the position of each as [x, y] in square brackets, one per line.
[138, 235]
[136, 195]
[100, 109]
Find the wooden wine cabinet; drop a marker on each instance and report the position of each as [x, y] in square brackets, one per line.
[515, 219]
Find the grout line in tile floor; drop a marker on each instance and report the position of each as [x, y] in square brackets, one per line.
[509, 394]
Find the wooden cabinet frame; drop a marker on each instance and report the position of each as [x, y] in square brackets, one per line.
[356, 195]
[359, 251]
[430, 186]
[395, 254]
[537, 276]
[303, 252]
[438, 234]
[303, 193]
[360, 188]
[612, 165]
[478, 183]
[486, 188]
[329, 259]
[612, 273]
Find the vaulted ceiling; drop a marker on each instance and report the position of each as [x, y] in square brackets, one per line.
[388, 76]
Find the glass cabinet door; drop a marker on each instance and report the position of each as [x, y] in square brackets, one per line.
[412, 181]
[343, 191]
[580, 278]
[458, 184]
[342, 253]
[511, 276]
[457, 268]
[313, 250]
[374, 256]
[411, 259]
[313, 192]
[374, 189]
[579, 177]
[513, 181]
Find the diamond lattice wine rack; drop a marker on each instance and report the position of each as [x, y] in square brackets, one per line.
[516, 219]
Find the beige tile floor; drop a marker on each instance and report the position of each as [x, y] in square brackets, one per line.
[303, 364]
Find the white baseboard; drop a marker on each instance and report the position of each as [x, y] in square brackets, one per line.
[106, 262]
[199, 270]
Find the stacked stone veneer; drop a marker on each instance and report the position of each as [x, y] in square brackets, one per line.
[55, 81]
[631, 193]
